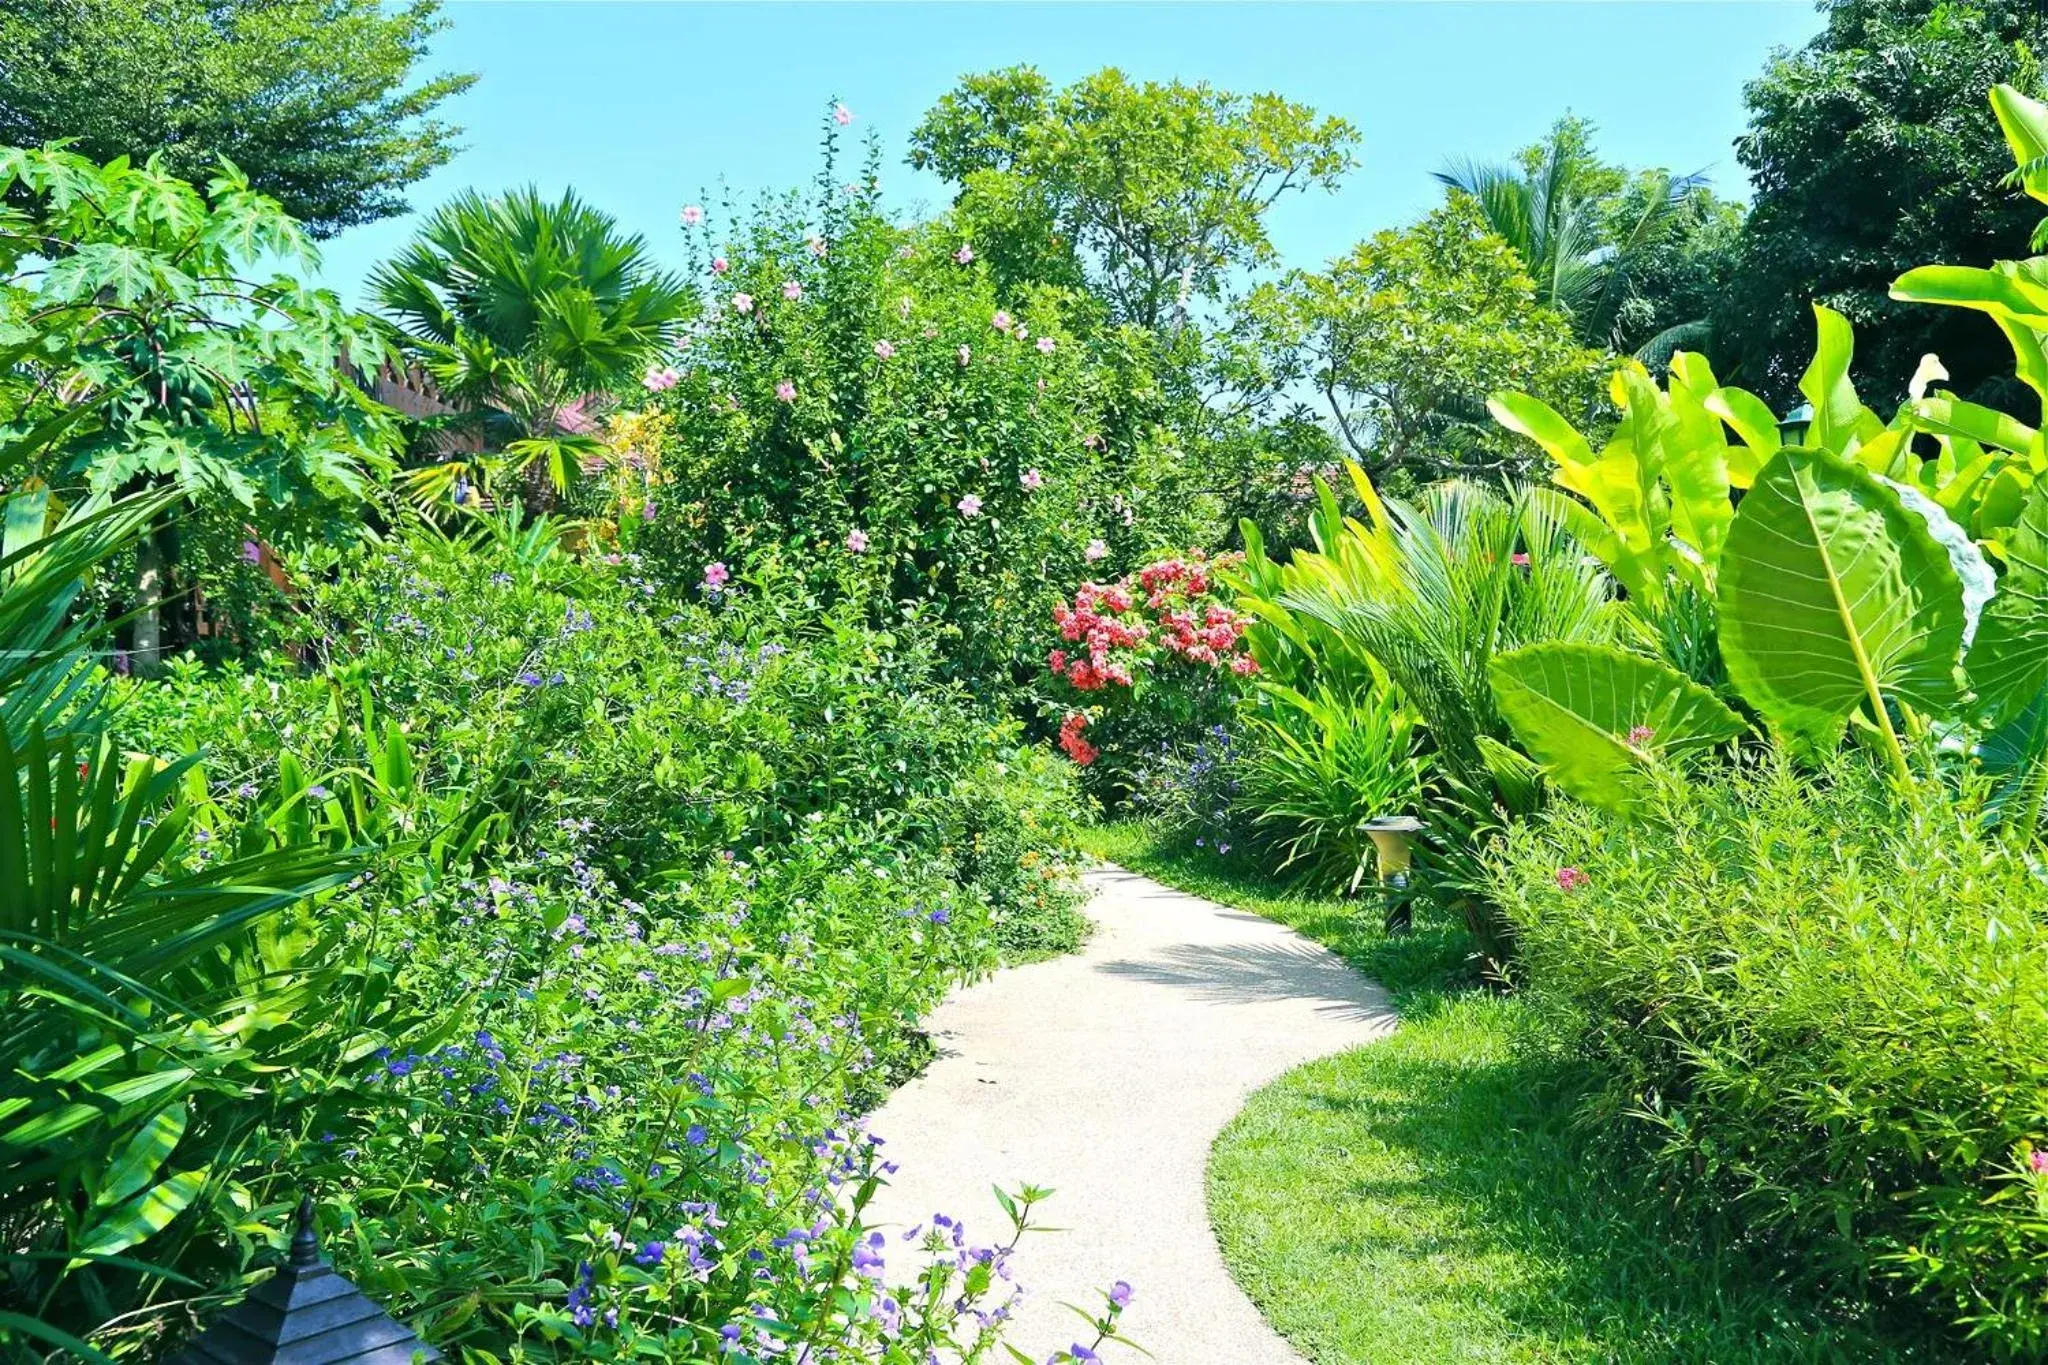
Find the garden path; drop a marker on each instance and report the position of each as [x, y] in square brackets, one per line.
[1105, 1075]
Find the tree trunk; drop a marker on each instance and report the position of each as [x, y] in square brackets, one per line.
[149, 597]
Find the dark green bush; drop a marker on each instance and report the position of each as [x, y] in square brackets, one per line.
[1825, 1001]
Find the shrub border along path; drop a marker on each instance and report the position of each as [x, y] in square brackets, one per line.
[1429, 1199]
[1106, 1075]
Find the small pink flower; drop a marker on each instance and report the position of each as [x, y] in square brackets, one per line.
[1092, 441]
[792, 290]
[1640, 735]
[1519, 559]
[906, 252]
[786, 391]
[884, 349]
[817, 246]
[903, 306]
[1031, 478]
[857, 541]
[964, 254]
[841, 115]
[1001, 321]
[659, 378]
[1096, 550]
[1045, 345]
[1572, 879]
[716, 576]
[647, 510]
[692, 215]
[965, 355]
[719, 265]
[2038, 1160]
[970, 506]
[743, 303]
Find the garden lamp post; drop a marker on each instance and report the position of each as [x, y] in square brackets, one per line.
[1793, 426]
[305, 1314]
[1393, 844]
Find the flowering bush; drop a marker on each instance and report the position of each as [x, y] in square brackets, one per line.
[1157, 657]
[859, 402]
[676, 882]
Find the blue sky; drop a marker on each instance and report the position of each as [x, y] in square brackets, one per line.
[642, 106]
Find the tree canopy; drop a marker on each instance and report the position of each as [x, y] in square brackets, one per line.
[1872, 151]
[312, 99]
[1150, 193]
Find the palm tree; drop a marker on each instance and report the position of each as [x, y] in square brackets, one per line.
[1581, 235]
[523, 310]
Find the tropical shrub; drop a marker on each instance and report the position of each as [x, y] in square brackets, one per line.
[1819, 1003]
[860, 403]
[1419, 599]
[1317, 767]
[671, 886]
[143, 353]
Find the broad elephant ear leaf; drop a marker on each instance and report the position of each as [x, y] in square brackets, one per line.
[2008, 663]
[1833, 595]
[1599, 719]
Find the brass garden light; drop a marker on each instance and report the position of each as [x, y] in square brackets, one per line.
[1393, 843]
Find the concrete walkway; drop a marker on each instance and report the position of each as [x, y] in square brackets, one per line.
[1105, 1076]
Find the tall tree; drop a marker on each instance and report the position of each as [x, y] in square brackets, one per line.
[1150, 193]
[1404, 337]
[526, 308]
[1872, 151]
[1587, 232]
[312, 99]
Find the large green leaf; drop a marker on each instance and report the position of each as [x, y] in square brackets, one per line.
[1834, 595]
[1598, 719]
[143, 1153]
[143, 1216]
[2008, 663]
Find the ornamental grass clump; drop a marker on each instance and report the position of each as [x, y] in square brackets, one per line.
[1821, 1004]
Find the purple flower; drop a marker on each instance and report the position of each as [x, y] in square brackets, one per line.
[252, 552]
[941, 915]
[651, 1254]
[696, 1136]
[1120, 1293]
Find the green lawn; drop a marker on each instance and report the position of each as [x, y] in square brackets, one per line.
[1425, 1199]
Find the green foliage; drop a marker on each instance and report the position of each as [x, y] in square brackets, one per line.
[1150, 193]
[529, 309]
[1601, 720]
[1405, 336]
[312, 99]
[1832, 596]
[139, 350]
[1871, 152]
[1317, 767]
[863, 408]
[676, 884]
[1819, 1003]
[1587, 233]
[1422, 599]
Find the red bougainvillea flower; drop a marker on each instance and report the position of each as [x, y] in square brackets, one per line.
[1071, 743]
